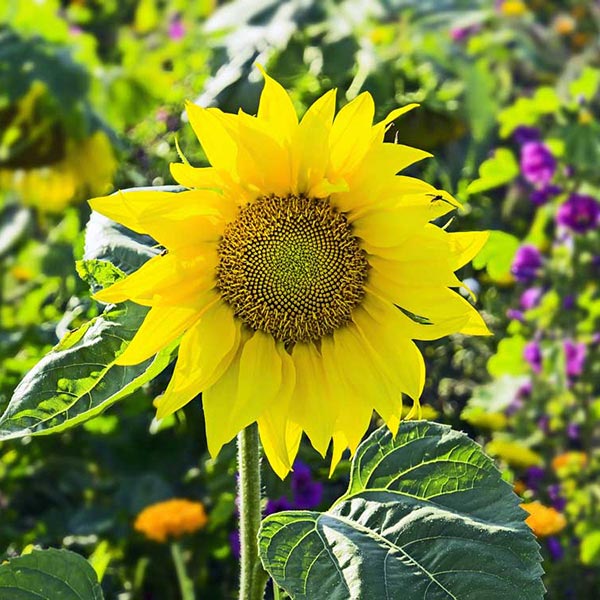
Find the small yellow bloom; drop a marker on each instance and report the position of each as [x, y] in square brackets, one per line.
[569, 461]
[22, 273]
[299, 268]
[544, 520]
[172, 518]
[513, 8]
[514, 453]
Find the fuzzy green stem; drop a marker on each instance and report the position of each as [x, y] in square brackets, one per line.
[253, 578]
[185, 583]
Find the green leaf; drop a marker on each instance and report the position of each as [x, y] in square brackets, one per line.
[49, 575]
[498, 170]
[79, 379]
[497, 255]
[426, 516]
[508, 359]
[590, 548]
[586, 85]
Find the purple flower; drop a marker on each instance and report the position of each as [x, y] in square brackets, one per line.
[460, 34]
[526, 263]
[543, 423]
[557, 501]
[537, 163]
[176, 29]
[543, 195]
[515, 315]
[574, 357]
[234, 543]
[579, 213]
[573, 431]
[523, 134]
[569, 302]
[596, 338]
[532, 353]
[530, 298]
[533, 477]
[555, 548]
[276, 505]
[307, 492]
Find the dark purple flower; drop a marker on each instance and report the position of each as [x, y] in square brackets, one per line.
[579, 213]
[234, 543]
[537, 163]
[523, 134]
[525, 390]
[533, 477]
[526, 263]
[176, 29]
[276, 505]
[574, 357]
[596, 338]
[532, 353]
[543, 195]
[543, 423]
[307, 492]
[557, 501]
[569, 301]
[555, 548]
[530, 298]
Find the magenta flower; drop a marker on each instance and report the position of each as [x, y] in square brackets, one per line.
[575, 355]
[526, 263]
[176, 29]
[579, 213]
[530, 298]
[532, 353]
[537, 163]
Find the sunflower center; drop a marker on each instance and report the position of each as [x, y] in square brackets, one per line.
[291, 267]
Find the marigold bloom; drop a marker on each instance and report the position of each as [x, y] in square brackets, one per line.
[172, 518]
[576, 460]
[544, 520]
[286, 262]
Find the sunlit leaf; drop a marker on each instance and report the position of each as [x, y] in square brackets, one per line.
[49, 575]
[498, 170]
[426, 516]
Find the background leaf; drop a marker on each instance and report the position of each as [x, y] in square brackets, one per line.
[426, 516]
[49, 575]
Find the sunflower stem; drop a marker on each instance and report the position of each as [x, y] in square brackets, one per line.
[185, 583]
[253, 578]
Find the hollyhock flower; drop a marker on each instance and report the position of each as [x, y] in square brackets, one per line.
[533, 477]
[526, 263]
[575, 354]
[537, 163]
[579, 213]
[557, 501]
[524, 134]
[532, 353]
[176, 29]
[530, 298]
[307, 492]
[543, 195]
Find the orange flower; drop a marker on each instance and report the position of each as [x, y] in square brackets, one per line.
[544, 520]
[572, 460]
[172, 518]
[564, 24]
[519, 487]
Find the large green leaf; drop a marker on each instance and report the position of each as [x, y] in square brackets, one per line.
[426, 517]
[49, 575]
[79, 379]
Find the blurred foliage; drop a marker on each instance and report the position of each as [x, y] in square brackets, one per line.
[92, 92]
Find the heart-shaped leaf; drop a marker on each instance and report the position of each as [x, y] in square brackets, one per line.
[49, 575]
[426, 516]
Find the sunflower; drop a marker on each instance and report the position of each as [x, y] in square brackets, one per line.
[298, 270]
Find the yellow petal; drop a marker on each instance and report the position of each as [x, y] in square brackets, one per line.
[279, 435]
[311, 144]
[252, 382]
[196, 177]
[161, 326]
[314, 408]
[205, 353]
[351, 134]
[276, 108]
[465, 246]
[379, 128]
[215, 131]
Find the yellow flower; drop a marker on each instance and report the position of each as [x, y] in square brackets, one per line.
[514, 454]
[172, 518]
[87, 167]
[544, 520]
[286, 263]
[513, 8]
[569, 460]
